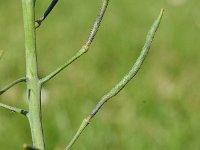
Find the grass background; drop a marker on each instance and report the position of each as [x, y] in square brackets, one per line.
[159, 109]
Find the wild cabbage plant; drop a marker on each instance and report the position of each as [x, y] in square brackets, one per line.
[34, 83]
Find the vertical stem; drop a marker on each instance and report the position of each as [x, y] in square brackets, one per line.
[33, 84]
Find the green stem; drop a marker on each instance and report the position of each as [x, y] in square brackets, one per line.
[14, 109]
[58, 70]
[33, 83]
[12, 84]
[122, 83]
[85, 47]
[46, 13]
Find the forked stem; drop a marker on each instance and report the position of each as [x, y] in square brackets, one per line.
[125, 80]
[85, 47]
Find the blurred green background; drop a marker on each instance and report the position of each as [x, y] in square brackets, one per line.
[159, 109]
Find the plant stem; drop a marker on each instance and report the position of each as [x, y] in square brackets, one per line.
[121, 84]
[46, 13]
[85, 47]
[33, 83]
[58, 70]
[12, 84]
[14, 109]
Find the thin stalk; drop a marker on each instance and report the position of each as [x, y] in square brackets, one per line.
[12, 84]
[85, 47]
[46, 13]
[121, 84]
[14, 109]
[33, 84]
[71, 60]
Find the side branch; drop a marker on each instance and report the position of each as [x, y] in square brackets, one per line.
[46, 13]
[76, 56]
[12, 84]
[120, 85]
[85, 47]
[14, 109]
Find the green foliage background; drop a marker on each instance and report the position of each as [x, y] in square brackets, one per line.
[160, 109]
